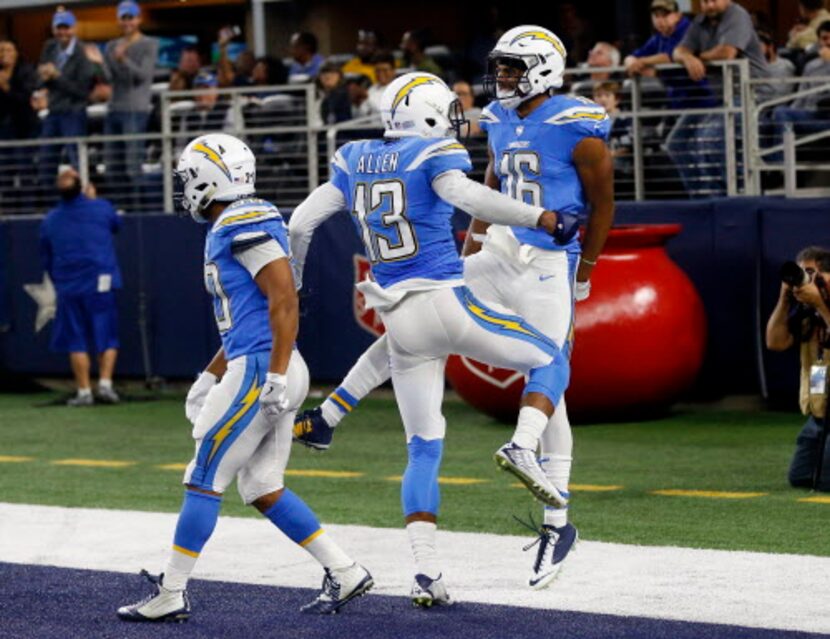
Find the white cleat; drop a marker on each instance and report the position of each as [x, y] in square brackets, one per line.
[428, 592]
[164, 605]
[555, 545]
[522, 463]
[340, 586]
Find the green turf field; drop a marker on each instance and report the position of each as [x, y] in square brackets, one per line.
[734, 452]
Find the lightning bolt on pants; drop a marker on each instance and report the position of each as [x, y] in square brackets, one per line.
[427, 326]
[234, 440]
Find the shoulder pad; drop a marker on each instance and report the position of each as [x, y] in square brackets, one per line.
[444, 146]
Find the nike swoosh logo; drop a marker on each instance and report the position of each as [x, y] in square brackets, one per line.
[543, 278]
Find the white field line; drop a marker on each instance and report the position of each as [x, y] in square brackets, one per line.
[741, 588]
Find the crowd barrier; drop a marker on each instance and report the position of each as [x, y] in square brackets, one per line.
[731, 248]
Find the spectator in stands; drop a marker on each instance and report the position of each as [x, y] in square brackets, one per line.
[67, 73]
[413, 45]
[603, 54]
[467, 100]
[803, 34]
[267, 72]
[384, 74]
[209, 113]
[621, 137]
[722, 32]
[363, 62]
[18, 121]
[808, 113]
[670, 26]
[778, 67]
[237, 73]
[307, 61]
[335, 105]
[357, 88]
[190, 62]
[130, 63]
[78, 253]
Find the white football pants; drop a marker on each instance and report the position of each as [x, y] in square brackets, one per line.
[233, 438]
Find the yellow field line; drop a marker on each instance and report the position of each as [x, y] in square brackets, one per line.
[94, 463]
[324, 473]
[14, 459]
[582, 488]
[706, 494]
[172, 466]
[816, 500]
[447, 481]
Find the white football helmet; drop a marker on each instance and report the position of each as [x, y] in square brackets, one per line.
[538, 53]
[214, 168]
[420, 104]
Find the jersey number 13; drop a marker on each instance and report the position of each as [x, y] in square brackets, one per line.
[380, 211]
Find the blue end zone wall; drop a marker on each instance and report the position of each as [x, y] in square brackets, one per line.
[731, 249]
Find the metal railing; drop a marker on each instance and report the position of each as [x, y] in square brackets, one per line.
[661, 151]
[782, 138]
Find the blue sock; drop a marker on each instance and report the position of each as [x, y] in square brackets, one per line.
[197, 520]
[419, 489]
[293, 517]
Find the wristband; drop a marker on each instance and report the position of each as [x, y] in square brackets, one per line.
[588, 262]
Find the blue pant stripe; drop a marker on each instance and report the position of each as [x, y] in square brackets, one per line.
[232, 424]
[501, 323]
[573, 263]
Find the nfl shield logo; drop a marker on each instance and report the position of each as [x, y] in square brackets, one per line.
[519, 130]
[501, 378]
[367, 318]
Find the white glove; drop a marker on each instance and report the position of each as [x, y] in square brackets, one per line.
[196, 395]
[582, 290]
[274, 396]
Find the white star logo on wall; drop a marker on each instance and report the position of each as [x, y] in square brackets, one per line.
[44, 296]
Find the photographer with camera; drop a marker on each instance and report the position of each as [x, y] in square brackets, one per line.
[802, 317]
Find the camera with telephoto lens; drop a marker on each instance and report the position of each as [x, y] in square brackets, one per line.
[794, 275]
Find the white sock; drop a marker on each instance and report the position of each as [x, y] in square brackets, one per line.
[84, 392]
[556, 517]
[328, 553]
[531, 423]
[422, 541]
[179, 568]
[105, 383]
[331, 413]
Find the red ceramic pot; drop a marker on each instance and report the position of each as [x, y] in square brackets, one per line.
[639, 341]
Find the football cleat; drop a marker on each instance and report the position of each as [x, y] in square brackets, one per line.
[555, 544]
[428, 592]
[523, 464]
[163, 605]
[312, 430]
[339, 588]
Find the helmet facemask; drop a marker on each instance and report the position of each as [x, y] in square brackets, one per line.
[190, 197]
[524, 86]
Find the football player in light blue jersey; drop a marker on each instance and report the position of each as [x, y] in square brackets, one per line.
[548, 150]
[242, 406]
[401, 191]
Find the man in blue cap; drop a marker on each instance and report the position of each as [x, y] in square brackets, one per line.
[67, 73]
[130, 62]
[78, 253]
